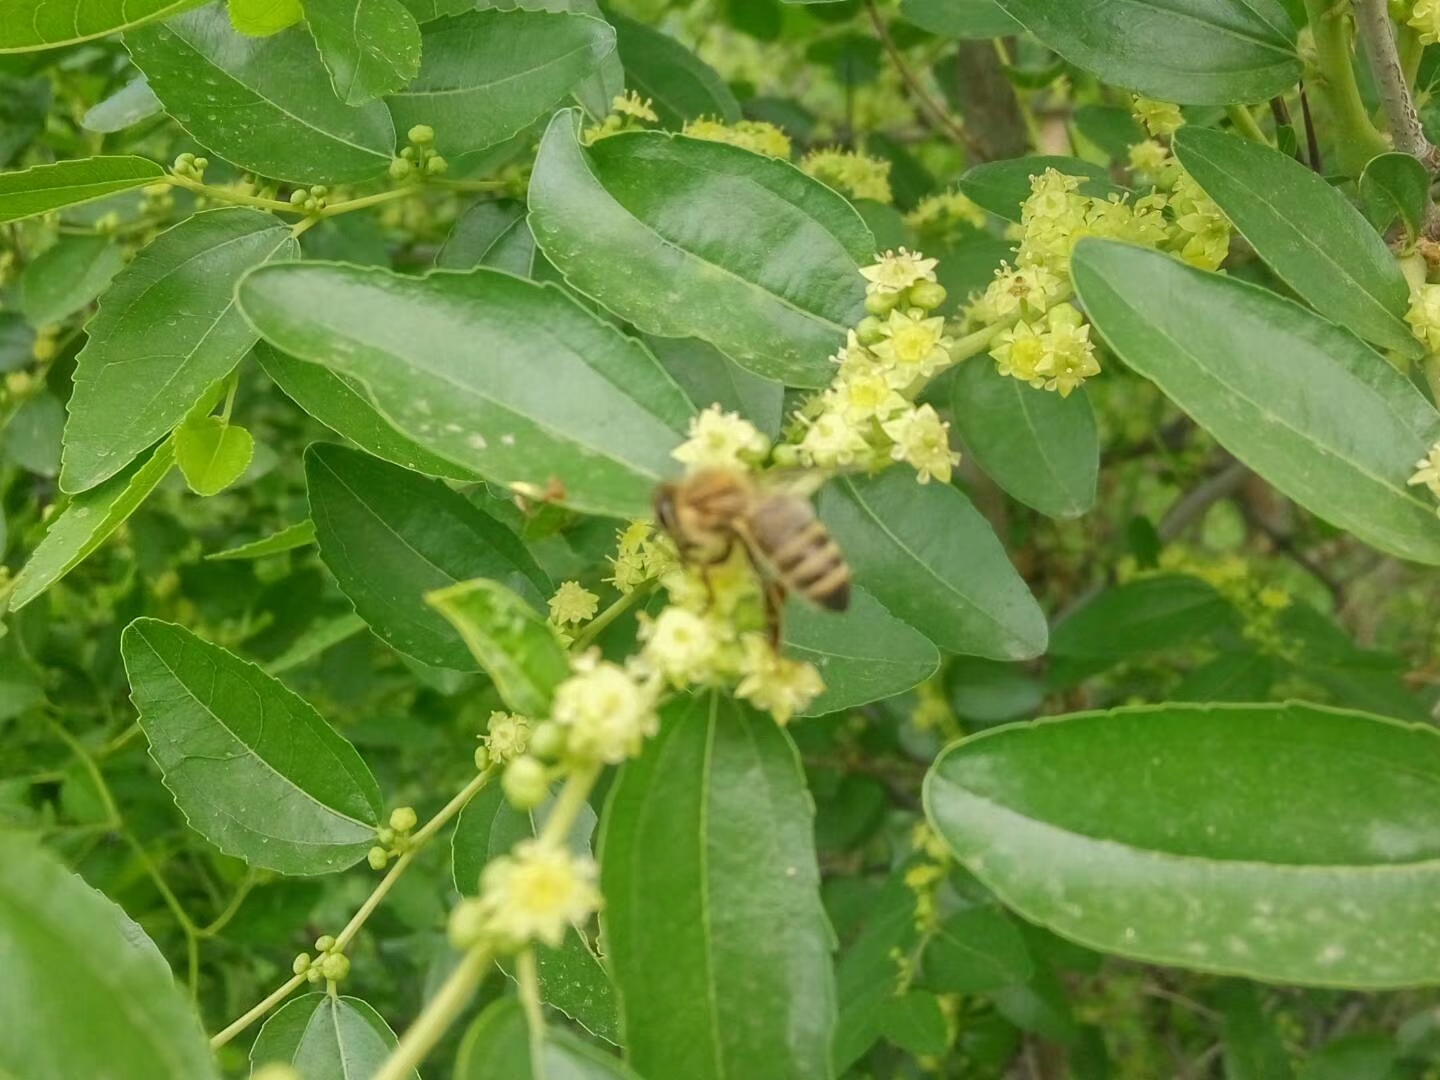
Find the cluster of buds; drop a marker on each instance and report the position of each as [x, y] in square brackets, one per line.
[392, 839]
[867, 417]
[190, 167]
[328, 964]
[628, 112]
[311, 200]
[754, 135]
[419, 159]
[1427, 472]
[857, 175]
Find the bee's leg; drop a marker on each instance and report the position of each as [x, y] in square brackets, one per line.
[722, 556]
[774, 610]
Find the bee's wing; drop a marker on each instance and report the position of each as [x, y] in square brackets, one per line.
[799, 481]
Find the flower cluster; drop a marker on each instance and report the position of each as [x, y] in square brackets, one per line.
[628, 112]
[419, 158]
[1424, 315]
[643, 555]
[535, 893]
[943, 220]
[753, 135]
[857, 175]
[1427, 472]
[868, 416]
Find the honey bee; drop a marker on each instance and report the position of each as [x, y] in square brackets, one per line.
[712, 509]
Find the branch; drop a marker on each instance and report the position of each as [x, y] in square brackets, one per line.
[1377, 38]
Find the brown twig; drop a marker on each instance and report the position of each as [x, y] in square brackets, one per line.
[937, 112]
[1377, 38]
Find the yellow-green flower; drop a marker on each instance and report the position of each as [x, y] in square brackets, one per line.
[1161, 118]
[572, 603]
[856, 175]
[753, 135]
[922, 440]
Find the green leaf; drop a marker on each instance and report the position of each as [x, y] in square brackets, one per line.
[1289, 843]
[865, 976]
[1195, 52]
[1144, 616]
[261, 18]
[488, 75]
[342, 405]
[1229, 677]
[1253, 1048]
[212, 453]
[82, 998]
[299, 535]
[976, 951]
[1306, 231]
[743, 251]
[678, 83]
[1324, 418]
[572, 978]
[1353, 1057]
[252, 766]
[1396, 186]
[515, 646]
[709, 377]
[125, 108]
[370, 47]
[492, 233]
[964, 19]
[390, 536]
[67, 276]
[1043, 449]
[86, 522]
[931, 559]
[26, 25]
[713, 917]
[325, 1038]
[31, 439]
[506, 377]
[1001, 186]
[167, 331]
[865, 655]
[43, 188]
[265, 104]
[497, 1047]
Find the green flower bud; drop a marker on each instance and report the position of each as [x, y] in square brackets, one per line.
[436, 165]
[467, 923]
[400, 168]
[335, 966]
[315, 975]
[319, 191]
[324, 943]
[871, 330]
[881, 303]
[421, 134]
[301, 964]
[403, 818]
[385, 835]
[201, 164]
[482, 758]
[525, 784]
[298, 197]
[927, 294]
[548, 740]
[377, 857]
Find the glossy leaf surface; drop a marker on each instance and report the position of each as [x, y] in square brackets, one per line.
[252, 766]
[325, 1038]
[1325, 419]
[1043, 449]
[212, 454]
[119, 1014]
[390, 536]
[27, 25]
[265, 104]
[1290, 843]
[167, 331]
[25, 193]
[743, 251]
[370, 47]
[513, 644]
[67, 277]
[718, 943]
[929, 557]
[488, 75]
[1307, 231]
[511, 379]
[678, 83]
[498, 1047]
[1396, 186]
[1195, 52]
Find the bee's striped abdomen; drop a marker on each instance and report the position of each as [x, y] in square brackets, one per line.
[801, 551]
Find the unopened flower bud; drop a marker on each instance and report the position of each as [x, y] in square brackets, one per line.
[870, 331]
[403, 818]
[421, 134]
[482, 758]
[927, 294]
[525, 784]
[881, 303]
[324, 943]
[436, 165]
[335, 966]
[377, 857]
[400, 168]
[301, 964]
[298, 197]
[548, 740]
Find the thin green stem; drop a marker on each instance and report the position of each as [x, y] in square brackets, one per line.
[568, 804]
[1244, 122]
[370, 200]
[225, 195]
[609, 615]
[527, 975]
[442, 1011]
[276, 997]
[230, 397]
[1357, 139]
[223, 919]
